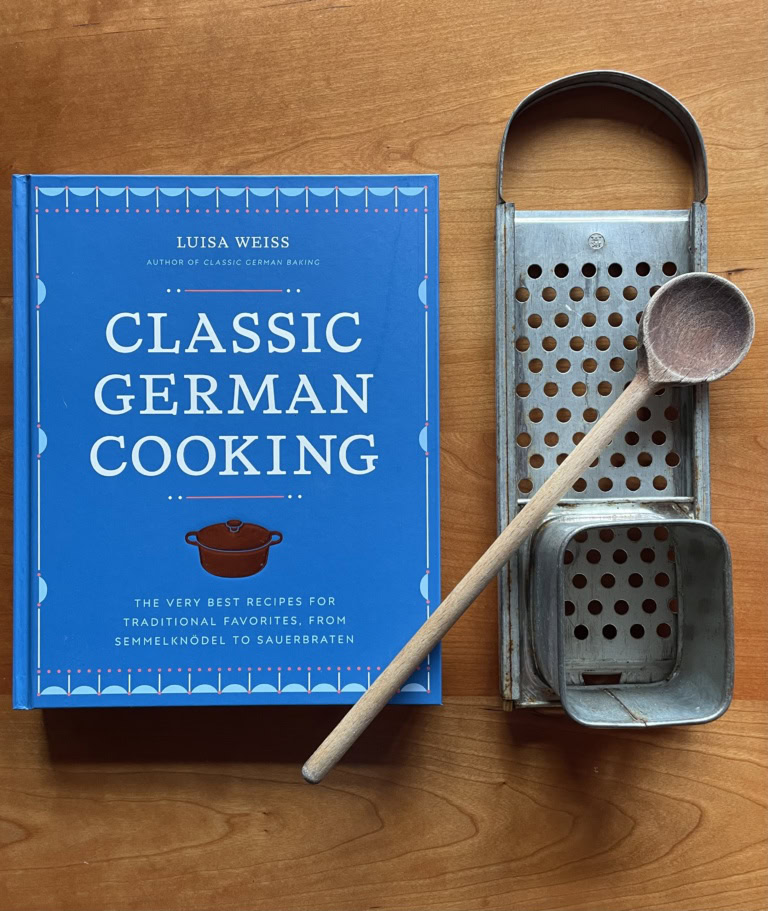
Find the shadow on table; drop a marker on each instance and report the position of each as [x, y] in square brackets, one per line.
[273, 734]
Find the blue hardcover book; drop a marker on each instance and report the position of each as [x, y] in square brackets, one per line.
[226, 437]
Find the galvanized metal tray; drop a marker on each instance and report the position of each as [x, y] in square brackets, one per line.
[570, 289]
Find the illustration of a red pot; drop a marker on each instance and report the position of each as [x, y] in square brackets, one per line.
[233, 549]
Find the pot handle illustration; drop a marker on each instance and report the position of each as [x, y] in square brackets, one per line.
[275, 537]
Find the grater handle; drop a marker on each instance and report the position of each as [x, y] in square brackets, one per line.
[634, 85]
[456, 603]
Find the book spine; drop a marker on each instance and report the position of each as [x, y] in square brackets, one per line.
[22, 602]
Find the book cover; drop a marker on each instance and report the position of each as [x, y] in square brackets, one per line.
[226, 437]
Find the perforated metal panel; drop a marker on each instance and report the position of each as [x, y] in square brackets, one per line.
[621, 606]
[575, 285]
[577, 308]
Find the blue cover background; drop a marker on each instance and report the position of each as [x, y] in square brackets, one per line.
[105, 541]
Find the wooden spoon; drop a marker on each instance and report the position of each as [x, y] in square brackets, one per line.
[695, 329]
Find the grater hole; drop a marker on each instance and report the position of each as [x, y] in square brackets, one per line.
[664, 630]
[605, 484]
[578, 388]
[595, 607]
[604, 388]
[672, 459]
[563, 365]
[669, 268]
[615, 270]
[577, 343]
[619, 556]
[602, 293]
[643, 413]
[606, 535]
[593, 556]
[589, 319]
[659, 437]
[580, 536]
[594, 464]
[588, 270]
[548, 343]
[630, 293]
[617, 460]
[654, 289]
[581, 632]
[523, 439]
[561, 458]
[523, 390]
[522, 294]
[534, 270]
[561, 320]
[615, 319]
[534, 321]
[568, 557]
[635, 580]
[607, 580]
[550, 389]
[525, 486]
[551, 438]
[634, 533]
[660, 533]
[633, 483]
[561, 270]
[617, 364]
[563, 415]
[644, 459]
[590, 415]
[549, 294]
[672, 605]
[647, 555]
[638, 316]
[671, 555]
[630, 342]
[578, 437]
[660, 482]
[570, 608]
[661, 579]
[642, 268]
[603, 343]
[637, 631]
[522, 344]
[671, 413]
[589, 365]
[609, 631]
[536, 414]
[631, 438]
[649, 605]
[535, 365]
[621, 607]
[660, 391]
[579, 580]
[576, 294]
[580, 486]
[536, 460]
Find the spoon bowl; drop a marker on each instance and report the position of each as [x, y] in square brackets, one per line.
[696, 328]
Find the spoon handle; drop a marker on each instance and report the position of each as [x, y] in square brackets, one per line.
[524, 524]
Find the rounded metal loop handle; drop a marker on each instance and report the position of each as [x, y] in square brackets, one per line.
[642, 88]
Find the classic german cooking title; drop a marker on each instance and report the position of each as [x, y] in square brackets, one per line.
[190, 393]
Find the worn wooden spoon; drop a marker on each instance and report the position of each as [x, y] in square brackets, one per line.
[695, 329]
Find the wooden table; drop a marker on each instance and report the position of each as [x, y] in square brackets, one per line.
[464, 806]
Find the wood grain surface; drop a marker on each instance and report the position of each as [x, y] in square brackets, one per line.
[464, 806]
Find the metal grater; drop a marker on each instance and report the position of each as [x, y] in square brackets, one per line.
[571, 286]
